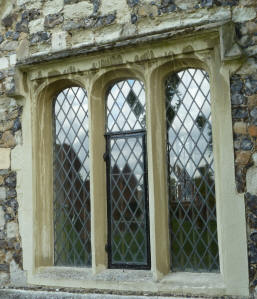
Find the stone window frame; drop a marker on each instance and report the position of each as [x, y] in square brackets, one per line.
[39, 83]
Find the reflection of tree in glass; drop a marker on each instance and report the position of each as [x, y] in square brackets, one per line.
[136, 106]
[171, 88]
[201, 122]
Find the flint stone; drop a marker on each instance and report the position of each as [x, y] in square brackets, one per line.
[16, 125]
[132, 3]
[253, 113]
[240, 113]
[206, 3]
[2, 220]
[236, 86]
[237, 99]
[252, 203]
[7, 21]
[251, 86]
[4, 268]
[11, 193]
[30, 15]
[133, 18]
[2, 75]
[39, 37]
[53, 20]
[253, 237]
[252, 221]
[10, 181]
[252, 254]
[246, 144]
[22, 26]
[12, 230]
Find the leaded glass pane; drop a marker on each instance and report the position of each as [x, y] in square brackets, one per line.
[126, 106]
[192, 208]
[71, 179]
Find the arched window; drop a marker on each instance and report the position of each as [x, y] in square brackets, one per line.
[128, 225]
[192, 208]
[72, 245]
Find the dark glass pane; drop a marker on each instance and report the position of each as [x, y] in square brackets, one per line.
[72, 245]
[192, 209]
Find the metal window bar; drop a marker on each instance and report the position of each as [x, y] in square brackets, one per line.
[72, 240]
[128, 224]
[192, 208]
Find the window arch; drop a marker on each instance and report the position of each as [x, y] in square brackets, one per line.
[72, 242]
[192, 208]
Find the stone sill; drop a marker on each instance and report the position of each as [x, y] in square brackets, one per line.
[131, 281]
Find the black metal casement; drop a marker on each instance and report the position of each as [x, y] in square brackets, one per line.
[127, 192]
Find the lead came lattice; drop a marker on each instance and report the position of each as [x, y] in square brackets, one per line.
[71, 179]
[192, 208]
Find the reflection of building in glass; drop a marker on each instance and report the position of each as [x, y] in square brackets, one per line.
[72, 206]
[126, 193]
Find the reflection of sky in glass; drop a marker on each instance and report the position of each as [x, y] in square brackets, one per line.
[126, 106]
[126, 112]
[71, 124]
[189, 137]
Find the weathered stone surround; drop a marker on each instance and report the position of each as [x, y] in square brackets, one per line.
[30, 28]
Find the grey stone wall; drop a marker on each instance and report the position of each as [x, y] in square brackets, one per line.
[32, 27]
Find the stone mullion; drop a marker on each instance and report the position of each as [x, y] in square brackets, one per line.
[97, 178]
[158, 203]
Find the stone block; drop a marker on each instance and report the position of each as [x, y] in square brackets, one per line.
[252, 130]
[36, 26]
[59, 41]
[12, 59]
[251, 179]
[4, 63]
[243, 157]
[52, 7]
[21, 2]
[243, 14]
[240, 127]
[17, 276]
[12, 229]
[252, 101]
[78, 10]
[7, 140]
[5, 158]
[2, 193]
[2, 220]
[4, 278]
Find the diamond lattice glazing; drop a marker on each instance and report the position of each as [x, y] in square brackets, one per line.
[126, 106]
[192, 208]
[71, 179]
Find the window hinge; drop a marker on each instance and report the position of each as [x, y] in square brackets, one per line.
[105, 156]
[107, 247]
